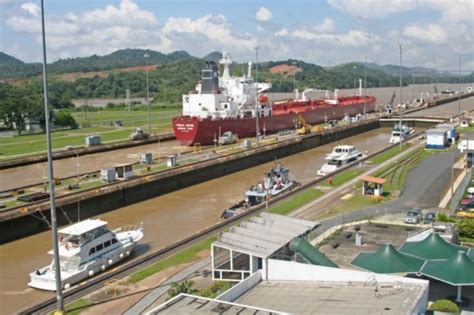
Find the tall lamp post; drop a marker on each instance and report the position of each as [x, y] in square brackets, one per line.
[459, 92]
[257, 131]
[146, 55]
[365, 88]
[354, 71]
[52, 201]
[401, 96]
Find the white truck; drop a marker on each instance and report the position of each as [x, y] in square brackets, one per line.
[227, 138]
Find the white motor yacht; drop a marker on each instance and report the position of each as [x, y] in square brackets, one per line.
[85, 249]
[400, 132]
[340, 156]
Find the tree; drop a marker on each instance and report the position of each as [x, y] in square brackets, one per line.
[186, 286]
[64, 119]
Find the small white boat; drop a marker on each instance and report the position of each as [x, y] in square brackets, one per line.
[400, 132]
[85, 249]
[340, 156]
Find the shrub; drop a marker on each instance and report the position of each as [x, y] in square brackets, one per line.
[466, 228]
[445, 306]
[442, 217]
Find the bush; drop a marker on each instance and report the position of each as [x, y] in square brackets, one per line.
[466, 228]
[441, 217]
[445, 306]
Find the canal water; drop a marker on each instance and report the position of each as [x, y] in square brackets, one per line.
[36, 173]
[167, 218]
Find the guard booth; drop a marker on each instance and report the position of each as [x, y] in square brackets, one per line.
[372, 185]
[123, 171]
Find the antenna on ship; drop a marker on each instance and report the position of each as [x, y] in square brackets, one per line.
[401, 98]
[52, 201]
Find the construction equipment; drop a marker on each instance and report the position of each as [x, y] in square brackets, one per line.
[138, 134]
[305, 127]
[227, 138]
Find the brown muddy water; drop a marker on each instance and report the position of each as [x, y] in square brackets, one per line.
[166, 219]
[36, 173]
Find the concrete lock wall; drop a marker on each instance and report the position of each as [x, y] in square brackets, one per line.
[95, 203]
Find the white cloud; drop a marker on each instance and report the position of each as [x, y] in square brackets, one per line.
[32, 8]
[452, 11]
[126, 14]
[372, 8]
[216, 29]
[264, 15]
[432, 33]
[282, 32]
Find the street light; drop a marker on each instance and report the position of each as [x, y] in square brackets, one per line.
[459, 92]
[146, 55]
[365, 88]
[401, 96]
[257, 131]
[354, 71]
[52, 201]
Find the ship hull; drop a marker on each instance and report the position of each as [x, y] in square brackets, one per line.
[194, 130]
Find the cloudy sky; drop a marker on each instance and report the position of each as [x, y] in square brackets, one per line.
[433, 33]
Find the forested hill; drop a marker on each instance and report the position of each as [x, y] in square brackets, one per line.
[12, 68]
[9, 60]
[177, 73]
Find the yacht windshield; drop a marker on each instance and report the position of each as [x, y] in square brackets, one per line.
[334, 162]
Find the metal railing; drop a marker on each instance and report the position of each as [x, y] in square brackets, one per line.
[350, 217]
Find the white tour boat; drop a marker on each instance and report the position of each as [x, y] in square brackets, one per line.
[340, 156]
[85, 249]
[400, 132]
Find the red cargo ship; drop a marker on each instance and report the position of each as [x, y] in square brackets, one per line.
[228, 104]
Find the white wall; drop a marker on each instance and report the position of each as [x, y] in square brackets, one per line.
[279, 270]
[241, 288]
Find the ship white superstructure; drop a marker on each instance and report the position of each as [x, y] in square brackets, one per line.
[224, 97]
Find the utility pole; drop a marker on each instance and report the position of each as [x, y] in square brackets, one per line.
[459, 92]
[147, 91]
[257, 131]
[365, 88]
[354, 71]
[401, 97]
[52, 201]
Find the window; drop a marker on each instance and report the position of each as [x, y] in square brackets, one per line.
[114, 240]
[92, 251]
[99, 247]
[107, 244]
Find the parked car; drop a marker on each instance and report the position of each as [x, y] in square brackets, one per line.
[467, 201]
[414, 216]
[466, 207]
[430, 217]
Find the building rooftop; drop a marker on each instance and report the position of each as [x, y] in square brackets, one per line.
[189, 304]
[83, 227]
[334, 298]
[264, 235]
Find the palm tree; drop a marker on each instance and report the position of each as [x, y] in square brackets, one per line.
[186, 286]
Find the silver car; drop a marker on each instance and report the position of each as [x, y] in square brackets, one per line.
[413, 216]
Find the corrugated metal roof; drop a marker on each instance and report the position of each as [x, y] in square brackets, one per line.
[264, 235]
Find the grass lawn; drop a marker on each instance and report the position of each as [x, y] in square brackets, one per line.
[300, 199]
[76, 307]
[185, 256]
[358, 201]
[384, 156]
[345, 176]
[160, 122]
